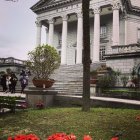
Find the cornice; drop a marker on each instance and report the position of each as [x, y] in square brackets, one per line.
[37, 10]
[131, 9]
[37, 4]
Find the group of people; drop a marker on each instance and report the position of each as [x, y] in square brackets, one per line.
[9, 82]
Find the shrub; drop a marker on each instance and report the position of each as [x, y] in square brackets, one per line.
[107, 81]
[124, 80]
[43, 60]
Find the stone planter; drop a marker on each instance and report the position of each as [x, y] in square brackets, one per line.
[35, 96]
[43, 83]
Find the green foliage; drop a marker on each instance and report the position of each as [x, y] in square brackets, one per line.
[100, 123]
[9, 71]
[93, 73]
[2, 73]
[121, 91]
[108, 80]
[131, 94]
[8, 102]
[43, 60]
[124, 80]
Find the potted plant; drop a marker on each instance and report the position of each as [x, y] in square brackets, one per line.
[42, 61]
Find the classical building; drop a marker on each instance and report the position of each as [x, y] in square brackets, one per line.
[114, 31]
[15, 65]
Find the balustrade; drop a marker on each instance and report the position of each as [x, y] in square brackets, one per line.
[131, 48]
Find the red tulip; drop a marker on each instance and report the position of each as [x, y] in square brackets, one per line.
[115, 138]
[72, 137]
[87, 137]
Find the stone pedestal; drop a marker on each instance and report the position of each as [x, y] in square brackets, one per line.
[93, 89]
[40, 95]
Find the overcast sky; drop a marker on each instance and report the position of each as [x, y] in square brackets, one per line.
[17, 28]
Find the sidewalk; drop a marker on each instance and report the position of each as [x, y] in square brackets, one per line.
[102, 99]
[12, 94]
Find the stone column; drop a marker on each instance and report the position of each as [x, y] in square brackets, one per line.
[79, 38]
[64, 40]
[115, 31]
[126, 25]
[96, 44]
[38, 35]
[46, 35]
[51, 32]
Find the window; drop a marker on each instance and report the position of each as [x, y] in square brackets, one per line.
[102, 53]
[103, 31]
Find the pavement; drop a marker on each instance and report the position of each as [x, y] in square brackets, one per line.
[107, 99]
[12, 94]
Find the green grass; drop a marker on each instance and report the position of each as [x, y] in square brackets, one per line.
[100, 123]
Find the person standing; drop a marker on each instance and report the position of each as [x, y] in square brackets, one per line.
[24, 82]
[8, 82]
[3, 83]
[13, 80]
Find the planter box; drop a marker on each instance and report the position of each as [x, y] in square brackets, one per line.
[40, 95]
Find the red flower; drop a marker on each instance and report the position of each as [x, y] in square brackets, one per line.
[72, 137]
[40, 105]
[59, 136]
[20, 137]
[115, 138]
[87, 137]
[138, 118]
[9, 138]
[24, 105]
[24, 137]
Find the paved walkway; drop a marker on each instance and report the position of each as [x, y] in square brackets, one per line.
[127, 101]
[12, 94]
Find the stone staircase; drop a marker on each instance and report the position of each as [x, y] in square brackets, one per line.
[69, 79]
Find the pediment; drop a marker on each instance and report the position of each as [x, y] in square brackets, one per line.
[44, 4]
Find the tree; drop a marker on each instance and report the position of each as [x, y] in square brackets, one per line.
[42, 61]
[86, 56]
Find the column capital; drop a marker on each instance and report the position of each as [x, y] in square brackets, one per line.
[38, 23]
[64, 17]
[79, 14]
[51, 21]
[116, 5]
[96, 10]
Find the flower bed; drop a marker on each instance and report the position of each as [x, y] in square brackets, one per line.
[56, 136]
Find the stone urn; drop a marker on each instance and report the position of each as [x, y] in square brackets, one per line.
[43, 83]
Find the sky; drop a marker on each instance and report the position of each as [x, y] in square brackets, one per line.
[17, 28]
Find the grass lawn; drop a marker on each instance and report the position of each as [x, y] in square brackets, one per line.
[100, 123]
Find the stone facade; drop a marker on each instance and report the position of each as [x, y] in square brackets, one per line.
[114, 27]
[15, 65]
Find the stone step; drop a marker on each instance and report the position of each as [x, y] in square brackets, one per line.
[69, 78]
